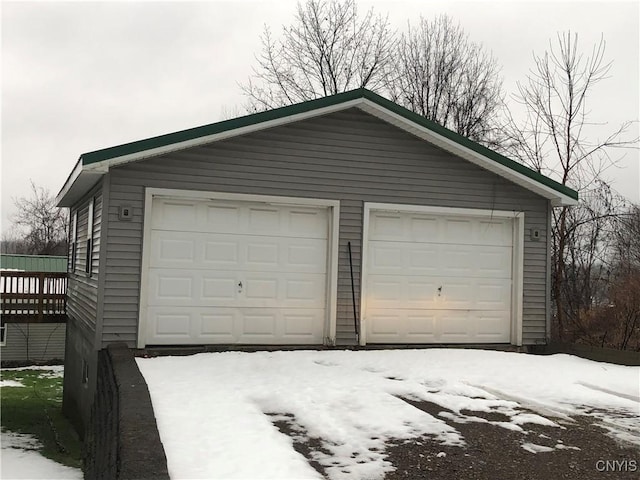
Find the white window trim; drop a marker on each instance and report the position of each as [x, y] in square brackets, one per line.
[332, 249]
[517, 284]
[3, 341]
[90, 220]
[89, 253]
[74, 240]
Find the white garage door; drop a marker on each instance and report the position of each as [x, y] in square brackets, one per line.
[236, 272]
[438, 279]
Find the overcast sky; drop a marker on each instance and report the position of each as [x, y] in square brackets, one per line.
[77, 77]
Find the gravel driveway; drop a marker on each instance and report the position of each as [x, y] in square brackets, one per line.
[579, 448]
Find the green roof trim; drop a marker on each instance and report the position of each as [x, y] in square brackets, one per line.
[290, 110]
[219, 127]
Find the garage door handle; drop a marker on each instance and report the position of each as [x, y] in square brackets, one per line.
[440, 290]
[239, 286]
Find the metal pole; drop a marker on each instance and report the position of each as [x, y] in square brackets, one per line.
[353, 294]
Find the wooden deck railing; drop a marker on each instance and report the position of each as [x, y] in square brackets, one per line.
[33, 296]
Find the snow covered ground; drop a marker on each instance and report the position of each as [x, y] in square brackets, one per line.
[19, 455]
[21, 459]
[215, 411]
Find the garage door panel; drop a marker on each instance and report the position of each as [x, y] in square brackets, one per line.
[400, 292]
[422, 259]
[385, 258]
[417, 258]
[258, 289]
[194, 325]
[307, 223]
[174, 287]
[494, 262]
[310, 290]
[282, 326]
[217, 327]
[174, 250]
[308, 256]
[386, 325]
[437, 293]
[220, 253]
[490, 326]
[456, 261]
[436, 326]
[437, 229]
[238, 252]
[299, 325]
[494, 232]
[259, 322]
[493, 295]
[170, 286]
[222, 218]
[422, 326]
[169, 324]
[474, 261]
[456, 294]
[296, 290]
[262, 254]
[423, 227]
[459, 230]
[175, 215]
[386, 226]
[221, 288]
[402, 258]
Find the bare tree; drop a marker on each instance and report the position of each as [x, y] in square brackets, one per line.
[442, 75]
[554, 139]
[615, 322]
[41, 224]
[329, 49]
[628, 239]
[589, 260]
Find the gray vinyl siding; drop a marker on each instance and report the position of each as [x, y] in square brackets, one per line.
[82, 289]
[348, 156]
[36, 342]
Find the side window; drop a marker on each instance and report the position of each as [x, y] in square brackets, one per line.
[3, 334]
[89, 238]
[74, 239]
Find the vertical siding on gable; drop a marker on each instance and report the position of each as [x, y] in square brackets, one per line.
[82, 289]
[348, 156]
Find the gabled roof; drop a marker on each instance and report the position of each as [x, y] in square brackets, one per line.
[91, 166]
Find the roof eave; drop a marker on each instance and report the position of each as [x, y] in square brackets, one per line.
[78, 184]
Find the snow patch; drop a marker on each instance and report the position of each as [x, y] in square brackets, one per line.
[534, 448]
[561, 446]
[10, 383]
[54, 368]
[21, 460]
[522, 418]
